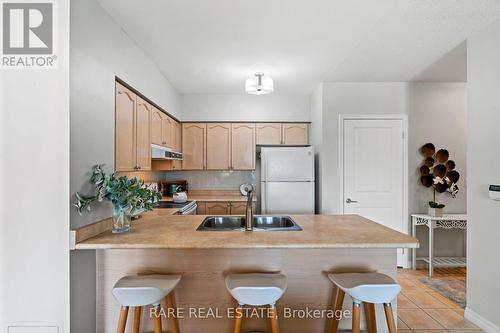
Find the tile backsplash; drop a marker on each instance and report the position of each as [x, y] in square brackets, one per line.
[214, 180]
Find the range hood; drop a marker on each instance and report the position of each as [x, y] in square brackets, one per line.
[164, 153]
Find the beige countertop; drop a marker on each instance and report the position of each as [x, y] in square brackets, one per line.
[163, 231]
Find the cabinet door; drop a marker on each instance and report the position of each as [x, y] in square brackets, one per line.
[125, 156]
[217, 208]
[193, 146]
[201, 210]
[243, 146]
[177, 165]
[218, 146]
[238, 208]
[295, 134]
[168, 128]
[143, 134]
[156, 126]
[268, 134]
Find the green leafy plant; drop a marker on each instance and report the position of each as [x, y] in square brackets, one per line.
[125, 194]
[434, 204]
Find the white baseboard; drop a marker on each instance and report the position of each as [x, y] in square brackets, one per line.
[480, 321]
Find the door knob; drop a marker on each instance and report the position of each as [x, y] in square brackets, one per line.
[350, 201]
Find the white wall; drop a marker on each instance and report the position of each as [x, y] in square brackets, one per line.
[100, 50]
[352, 98]
[34, 191]
[483, 167]
[438, 114]
[273, 107]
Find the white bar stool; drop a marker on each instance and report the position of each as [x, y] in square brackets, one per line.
[256, 289]
[142, 290]
[367, 288]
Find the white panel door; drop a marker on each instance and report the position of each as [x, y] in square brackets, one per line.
[373, 171]
[288, 164]
[287, 197]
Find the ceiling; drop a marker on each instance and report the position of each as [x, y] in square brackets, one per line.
[211, 47]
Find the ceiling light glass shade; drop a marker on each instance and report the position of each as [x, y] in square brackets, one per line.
[259, 84]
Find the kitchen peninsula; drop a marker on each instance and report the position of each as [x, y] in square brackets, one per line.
[161, 243]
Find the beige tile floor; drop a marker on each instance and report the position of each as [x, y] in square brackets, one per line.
[423, 310]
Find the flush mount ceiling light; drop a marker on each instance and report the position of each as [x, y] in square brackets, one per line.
[259, 84]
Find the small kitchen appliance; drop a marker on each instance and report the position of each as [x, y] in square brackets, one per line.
[169, 187]
[180, 195]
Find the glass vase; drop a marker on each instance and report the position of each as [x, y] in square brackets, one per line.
[121, 220]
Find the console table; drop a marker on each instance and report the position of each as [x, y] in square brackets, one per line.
[447, 221]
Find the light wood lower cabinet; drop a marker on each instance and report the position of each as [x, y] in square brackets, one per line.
[193, 146]
[217, 208]
[132, 131]
[240, 208]
[222, 208]
[218, 153]
[295, 134]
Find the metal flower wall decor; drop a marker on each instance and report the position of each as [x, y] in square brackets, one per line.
[438, 171]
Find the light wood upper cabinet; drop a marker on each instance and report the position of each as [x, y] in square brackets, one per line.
[243, 146]
[177, 165]
[218, 153]
[218, 208]
[295, 134]
[268, 134]
[156, 126]
[143, 134]
[125, 148]
[193, 146]
[168, 128]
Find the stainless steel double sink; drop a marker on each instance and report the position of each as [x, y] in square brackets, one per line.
[260, 223]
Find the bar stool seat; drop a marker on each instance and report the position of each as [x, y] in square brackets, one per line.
[256, 289]
[367, 287]
[144, 290]
[141, 290]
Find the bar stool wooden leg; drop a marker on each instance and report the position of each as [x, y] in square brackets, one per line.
[238, 316]
[389, 316]
[371, 322]
[157, 319]
[122, 322]
[275, 328]
[174, 324]
[137, 318]
[339, 301]
[356, 313]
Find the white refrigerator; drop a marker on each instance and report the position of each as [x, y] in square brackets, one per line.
[287, 180]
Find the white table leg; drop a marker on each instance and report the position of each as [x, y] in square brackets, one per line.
[431, 247]
[413, 251]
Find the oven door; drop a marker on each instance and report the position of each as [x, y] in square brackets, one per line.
[190, 211]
